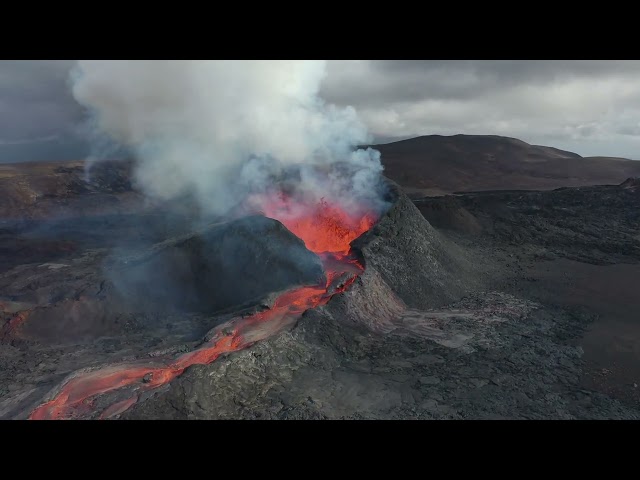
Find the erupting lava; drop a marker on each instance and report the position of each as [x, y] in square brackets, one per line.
[324, 228]
[327, 231]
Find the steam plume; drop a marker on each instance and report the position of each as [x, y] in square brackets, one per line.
[220, 130]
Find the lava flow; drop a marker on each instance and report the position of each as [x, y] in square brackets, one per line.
[327, 230]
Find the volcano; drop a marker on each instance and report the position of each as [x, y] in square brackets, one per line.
[325, 229]
[408, 265]
[383, 317]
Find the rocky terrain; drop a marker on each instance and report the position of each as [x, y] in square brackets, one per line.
[483, 305]
[444, 322]
[469, 341]
[65, 189]
[597, 224]
[571, 248]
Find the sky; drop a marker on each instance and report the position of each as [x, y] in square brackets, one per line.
[591, 107]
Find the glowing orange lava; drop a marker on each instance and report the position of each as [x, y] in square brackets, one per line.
[328, 232]
[324, 228]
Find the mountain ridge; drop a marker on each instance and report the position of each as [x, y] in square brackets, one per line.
[439, 164]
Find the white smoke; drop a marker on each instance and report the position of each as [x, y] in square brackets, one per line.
[219, 129]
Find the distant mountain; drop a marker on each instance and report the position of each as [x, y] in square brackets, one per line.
[438, 164]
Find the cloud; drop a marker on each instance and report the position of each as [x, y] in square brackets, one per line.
[592, 107]
[23, 141]
[588, 106]
[38, 115]
[35, 100]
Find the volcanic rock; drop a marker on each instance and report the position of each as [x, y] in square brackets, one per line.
[222, 266]
[597, 224]
[417, 263]
[632, 182]
[408, 264]
[447, 213]
[441, 324]
[389, 347]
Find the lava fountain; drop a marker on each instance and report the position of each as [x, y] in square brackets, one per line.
[326, 230]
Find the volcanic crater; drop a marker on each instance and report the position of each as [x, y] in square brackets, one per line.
[247, 278]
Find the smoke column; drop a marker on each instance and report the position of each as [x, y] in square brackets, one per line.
[221, 130]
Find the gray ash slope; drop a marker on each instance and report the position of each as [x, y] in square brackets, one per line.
[425, 332]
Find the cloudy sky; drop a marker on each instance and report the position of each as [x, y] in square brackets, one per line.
[589, 107]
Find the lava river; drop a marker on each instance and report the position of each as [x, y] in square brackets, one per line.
[327, 231]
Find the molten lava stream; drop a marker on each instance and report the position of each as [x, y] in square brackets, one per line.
[328, 232]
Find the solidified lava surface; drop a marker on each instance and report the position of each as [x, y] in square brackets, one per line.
[475, 320]
[326, 230]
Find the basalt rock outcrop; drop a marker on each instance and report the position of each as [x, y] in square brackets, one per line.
[595, 224]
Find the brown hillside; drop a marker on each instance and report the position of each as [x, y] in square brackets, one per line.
[443, 164]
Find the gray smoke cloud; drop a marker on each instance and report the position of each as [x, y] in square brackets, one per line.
[219, 130]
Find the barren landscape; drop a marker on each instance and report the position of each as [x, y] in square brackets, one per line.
[514, 299]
